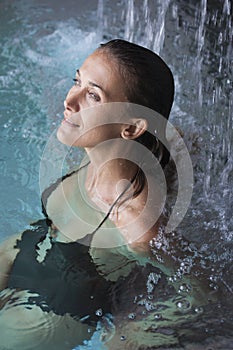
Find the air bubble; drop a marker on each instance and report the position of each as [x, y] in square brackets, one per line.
[99, 312]
[123, 338]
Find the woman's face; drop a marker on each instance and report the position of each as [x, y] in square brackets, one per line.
[97, 82]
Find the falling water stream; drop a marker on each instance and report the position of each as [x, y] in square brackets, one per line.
[44, 42]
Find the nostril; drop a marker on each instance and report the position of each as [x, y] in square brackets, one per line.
[67, 107]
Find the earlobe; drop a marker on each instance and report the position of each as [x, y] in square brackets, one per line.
[135, 129]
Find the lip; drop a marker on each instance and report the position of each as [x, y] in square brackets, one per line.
[69, 122]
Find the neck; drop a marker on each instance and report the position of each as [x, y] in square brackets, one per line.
[107, 181]
[109, 173]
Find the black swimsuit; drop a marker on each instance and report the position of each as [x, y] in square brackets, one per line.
[66, 280]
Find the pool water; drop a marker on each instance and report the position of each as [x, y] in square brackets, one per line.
[43, 43]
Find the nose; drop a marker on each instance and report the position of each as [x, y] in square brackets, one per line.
[72, 102]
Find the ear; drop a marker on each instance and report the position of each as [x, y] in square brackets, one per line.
[133, 130]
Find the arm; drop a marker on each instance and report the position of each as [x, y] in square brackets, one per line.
[8, 252]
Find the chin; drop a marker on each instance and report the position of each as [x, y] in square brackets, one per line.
[62, 137]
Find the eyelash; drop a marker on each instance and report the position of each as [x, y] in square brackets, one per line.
[77, 82]
[94, 96]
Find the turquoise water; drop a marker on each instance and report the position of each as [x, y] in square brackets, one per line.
[39, 57]
[44, 42]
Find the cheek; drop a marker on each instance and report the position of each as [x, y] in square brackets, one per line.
[93, 137]
[67, 135]
[78, 137]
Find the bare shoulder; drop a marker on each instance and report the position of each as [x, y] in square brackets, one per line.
[148, 204]
[138, 217]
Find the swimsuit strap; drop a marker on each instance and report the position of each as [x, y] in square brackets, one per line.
[48, 191]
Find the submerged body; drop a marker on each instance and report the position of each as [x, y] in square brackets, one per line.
[58, 285]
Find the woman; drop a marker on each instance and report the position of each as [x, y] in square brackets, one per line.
[102, 219]
[113, 73]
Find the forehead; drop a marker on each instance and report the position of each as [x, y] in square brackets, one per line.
[97, 66]
[101, 69]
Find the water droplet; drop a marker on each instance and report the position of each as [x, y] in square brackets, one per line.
[183, 304]
[149, 306]
[213, 278]
[157, 316]
[213, 286]
[132, 316]
[92, 296]
[198, 309]
[185, 288]
[155, 131]
[99, 312]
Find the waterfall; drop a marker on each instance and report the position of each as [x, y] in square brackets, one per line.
[145, 24]
[129, 22]
[160, 25]
[200, 44]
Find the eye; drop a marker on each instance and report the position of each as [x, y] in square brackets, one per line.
[77, 82]
[94, 96]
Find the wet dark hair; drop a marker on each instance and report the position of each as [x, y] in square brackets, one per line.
[149, 82]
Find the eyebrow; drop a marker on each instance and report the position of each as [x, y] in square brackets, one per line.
[90, 82]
